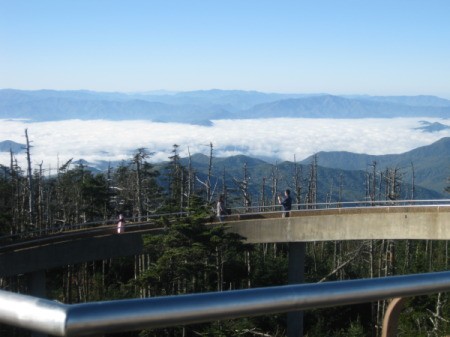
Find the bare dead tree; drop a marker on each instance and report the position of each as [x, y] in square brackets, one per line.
[243, 186]
[330, 194]
[341, 188]
[40, 197]
[351, 256]
[208, 179]
[298, 182]
[367, 185]
[207, 182]
[413, 182]
[393, 179]
[17, 225]
[380, 188]
[263, 193]
[190, 182]
[436, 317]
[372, 183]
[138, 160]
[275, 175]
[312, 183]
[30, 181]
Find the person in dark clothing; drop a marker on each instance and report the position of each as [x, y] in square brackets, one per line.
[286, 203]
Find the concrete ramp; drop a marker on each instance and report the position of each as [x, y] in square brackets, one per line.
[69, 252]
[396, 223]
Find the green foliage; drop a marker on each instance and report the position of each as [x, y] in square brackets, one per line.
[136, 191]
[6, 189]
[342, 321]
[355, 330]
[322, 328]
[194, 256]
[269, 263]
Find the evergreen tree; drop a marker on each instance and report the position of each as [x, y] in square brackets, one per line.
[136, 192]
[5, 201]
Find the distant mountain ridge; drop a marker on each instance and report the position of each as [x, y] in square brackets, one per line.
[328, 106]
[200, 107]
[9, 145]
[432, 127]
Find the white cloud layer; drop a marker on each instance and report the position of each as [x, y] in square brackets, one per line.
[280, 138]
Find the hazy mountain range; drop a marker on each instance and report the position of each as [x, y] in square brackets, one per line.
[200, 107]
[431, 164]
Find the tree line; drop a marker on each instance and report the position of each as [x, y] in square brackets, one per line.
[194, 257]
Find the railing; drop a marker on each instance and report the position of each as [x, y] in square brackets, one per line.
[51, 234]
[255, 209]
[92, 226]
[234, 210]
[136, 314]
[103, 317]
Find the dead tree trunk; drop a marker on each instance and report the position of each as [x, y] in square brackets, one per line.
[30, 182]
[298, 182]
[208, 178]
[275, 178]
[243, 186]
[207, 182]
[312, 184]
[413, 181]
[263, 194]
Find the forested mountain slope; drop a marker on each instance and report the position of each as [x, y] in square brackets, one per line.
[333, 184]
[431, 163]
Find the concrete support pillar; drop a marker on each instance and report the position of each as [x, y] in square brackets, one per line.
[37, 288]
[296, 275]
[36, 284]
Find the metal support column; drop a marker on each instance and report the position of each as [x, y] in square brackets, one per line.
[390, 321]
[296, 275]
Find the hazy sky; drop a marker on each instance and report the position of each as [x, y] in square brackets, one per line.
[387, 47]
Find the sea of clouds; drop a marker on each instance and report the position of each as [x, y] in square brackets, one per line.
[279, 138]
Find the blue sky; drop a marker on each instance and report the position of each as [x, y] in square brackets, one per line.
[381, 47]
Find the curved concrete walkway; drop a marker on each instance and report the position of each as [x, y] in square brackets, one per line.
[398, 222]
[365, 223]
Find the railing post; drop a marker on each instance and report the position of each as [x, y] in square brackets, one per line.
[391, 316]
[296, 275]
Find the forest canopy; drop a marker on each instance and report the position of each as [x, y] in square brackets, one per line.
[192, 257]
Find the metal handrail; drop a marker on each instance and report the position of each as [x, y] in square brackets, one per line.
[59, 319]
[253, 209]
[342, 204]
[96, 227]
[91, 225]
